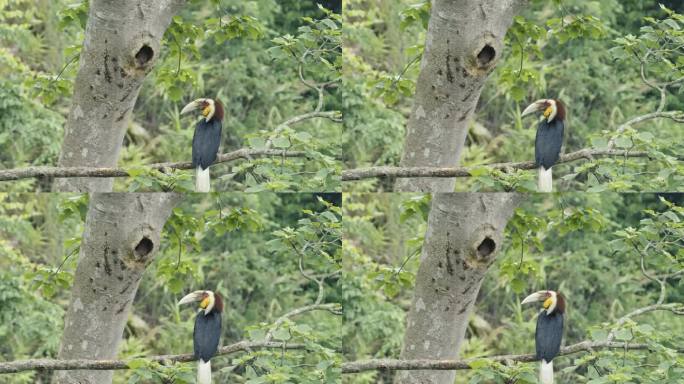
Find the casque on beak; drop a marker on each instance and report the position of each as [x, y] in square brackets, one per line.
[537, 296]
[537, 106]
[192, 106]
[200, 296]
[202, 104]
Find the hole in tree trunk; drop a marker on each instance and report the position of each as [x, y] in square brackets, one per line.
[144, 55]
[486, 55]
[144, 247]
[486, 247]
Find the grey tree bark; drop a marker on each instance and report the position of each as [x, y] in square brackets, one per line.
[121, 237]
[121, 45]
[463, 237]
[463, 44]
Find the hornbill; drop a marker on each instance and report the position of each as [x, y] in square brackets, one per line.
[549, 331]
[206, 140]
[207, 330]
[547, 145]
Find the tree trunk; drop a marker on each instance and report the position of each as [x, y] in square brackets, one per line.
[464, 234]
[121, 45]
[122, 234]
[463, 44]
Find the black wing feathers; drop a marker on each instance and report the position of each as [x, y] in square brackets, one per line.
[206, 335]
[548, 335]
[547, 145]
[205, 143]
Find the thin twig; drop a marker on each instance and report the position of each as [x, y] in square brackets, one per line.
[68, 63]
[179, 57]
[406, 67]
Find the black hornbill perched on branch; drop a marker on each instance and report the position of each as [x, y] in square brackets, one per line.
[549, 332]
[206, 140]
[207, 330]
[547, 145]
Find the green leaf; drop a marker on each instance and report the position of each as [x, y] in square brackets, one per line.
[479, 171]
[623, 142]
[479, 364]
[623, 334]
[599, 334]
[282, 334]
[138, 363]
[303, 136]
[281, 142]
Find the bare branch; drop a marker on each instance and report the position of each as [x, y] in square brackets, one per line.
[319, 88]
[59, 172]
[331, 115]
[677, 116]
[54, 364]
[395, 364]
[662, 90]
[334, 308]
[642, 264]
[587, 154]
[673, 82]
[675, 308]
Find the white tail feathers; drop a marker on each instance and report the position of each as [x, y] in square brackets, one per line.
[203, 372]
[546, 372]
[202, 180]
[545, 180]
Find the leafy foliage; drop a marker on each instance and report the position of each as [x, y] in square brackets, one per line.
[588, 54]
[241, 248]
[247, 54]
[588, 246]
[247, 247]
